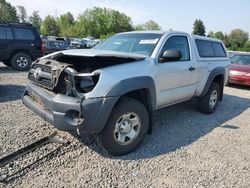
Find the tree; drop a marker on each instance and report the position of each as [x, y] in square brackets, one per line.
[66, 23]
[246, 47]
[211, 34]
[226, 40]
[101, 22]
[7, 12]
[36, 20]
[219, 35]
[49, 26]
[237, 39]
[199, 28]
[21, 13]
[150, 25]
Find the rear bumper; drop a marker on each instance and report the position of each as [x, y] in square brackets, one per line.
[242, 80]
[63, 111]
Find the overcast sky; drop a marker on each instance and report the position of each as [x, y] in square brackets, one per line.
[223, 15]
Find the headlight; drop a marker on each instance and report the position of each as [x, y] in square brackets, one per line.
[85, 84]
[81, 82]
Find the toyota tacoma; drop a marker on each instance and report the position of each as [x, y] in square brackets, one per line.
[112, 89]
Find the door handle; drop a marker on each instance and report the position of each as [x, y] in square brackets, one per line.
[191, 68]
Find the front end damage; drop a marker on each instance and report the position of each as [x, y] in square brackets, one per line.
[57, 89]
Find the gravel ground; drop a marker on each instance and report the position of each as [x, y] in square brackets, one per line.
[186, 148]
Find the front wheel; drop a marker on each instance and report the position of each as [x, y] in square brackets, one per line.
[209, 102]
[126, 128]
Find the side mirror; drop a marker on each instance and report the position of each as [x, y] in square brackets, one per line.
[170, 55]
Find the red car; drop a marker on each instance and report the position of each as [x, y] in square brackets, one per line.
[240, 69]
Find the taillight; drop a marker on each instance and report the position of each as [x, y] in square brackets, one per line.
[42, 48]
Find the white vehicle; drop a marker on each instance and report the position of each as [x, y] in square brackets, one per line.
[113, 89]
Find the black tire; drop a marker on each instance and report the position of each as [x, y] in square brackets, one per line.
[108, 137]
[21, 62]
[7, 63]
[207, 107]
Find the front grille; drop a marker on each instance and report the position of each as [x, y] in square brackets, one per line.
[44, 68]
[44, 82]
[40, 80]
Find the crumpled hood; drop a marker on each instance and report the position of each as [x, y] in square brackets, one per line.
[98, 53]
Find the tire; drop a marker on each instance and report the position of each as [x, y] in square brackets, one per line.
[21, 61]
[209, 102]
[120, 136]
[7, 63]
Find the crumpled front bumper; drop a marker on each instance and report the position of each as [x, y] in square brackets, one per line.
[63, 111]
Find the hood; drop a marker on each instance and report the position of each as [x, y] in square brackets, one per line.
[102, 53]
[240, 68]
[93, 59]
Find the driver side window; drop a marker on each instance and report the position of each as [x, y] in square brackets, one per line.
[179, 43]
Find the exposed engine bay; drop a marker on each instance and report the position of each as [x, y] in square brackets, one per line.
[72, 75]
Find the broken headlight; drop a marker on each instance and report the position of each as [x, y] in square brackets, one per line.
[86, 83]
[78, 83]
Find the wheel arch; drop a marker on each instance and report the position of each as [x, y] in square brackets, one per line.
[16, 51]
[139, 88]
[218, 76]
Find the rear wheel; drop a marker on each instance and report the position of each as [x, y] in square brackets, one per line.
[209, 102]
[126, 128]
[21, 61]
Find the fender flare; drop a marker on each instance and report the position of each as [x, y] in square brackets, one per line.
[132, 84]
[216, 72]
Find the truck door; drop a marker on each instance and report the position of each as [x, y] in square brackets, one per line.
[176, 80]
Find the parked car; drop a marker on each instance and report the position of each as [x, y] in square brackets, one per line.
[91, 43]
[240, 69]
[78, 43]
[20, 43]
[113, 88]
[51, 46]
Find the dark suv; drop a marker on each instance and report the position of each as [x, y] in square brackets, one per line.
[20, 43]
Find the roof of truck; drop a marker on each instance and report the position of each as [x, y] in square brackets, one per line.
[172, 32]
[152, 32]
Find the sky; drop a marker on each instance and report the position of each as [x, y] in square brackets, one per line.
[217, 15]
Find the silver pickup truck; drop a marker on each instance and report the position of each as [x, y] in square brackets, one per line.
[113, 89]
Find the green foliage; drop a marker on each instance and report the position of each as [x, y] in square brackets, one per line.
[21, 13]
[237, 39]
[150, 25]
[103, 22]
[36, 20]
[246, 47]
[219, 35]
[199, 28]
[211, 34]
[50, 27]
[99, 22]
[8, 12]
[66, 24]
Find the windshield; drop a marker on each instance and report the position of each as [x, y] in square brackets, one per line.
[138, 43]
[241, 59]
